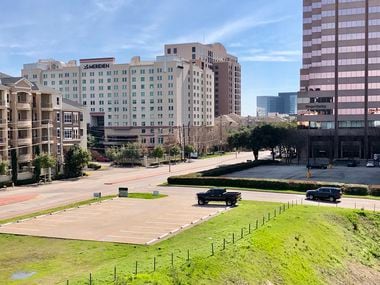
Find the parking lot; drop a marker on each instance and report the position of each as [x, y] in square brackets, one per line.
[122, 220]
[344, 174]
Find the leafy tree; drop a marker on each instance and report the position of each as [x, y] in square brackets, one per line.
[158, 152]
[129, 153]
[76, 159]
[3, 167]
[14, 164]
[189, 149]
[174, 150]
[43, 161]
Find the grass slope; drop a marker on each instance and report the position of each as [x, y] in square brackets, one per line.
[304, 245]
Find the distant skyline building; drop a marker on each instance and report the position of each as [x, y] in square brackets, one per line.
[285, 103]
[339, 99]
[227, 72]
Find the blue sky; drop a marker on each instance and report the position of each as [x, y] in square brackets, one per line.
[265, 34]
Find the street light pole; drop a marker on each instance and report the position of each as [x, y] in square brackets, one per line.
[49, 150]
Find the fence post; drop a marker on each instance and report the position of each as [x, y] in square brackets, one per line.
[188, 255]
[263, 220]
[284, 208]
[241, 233]
[114, 273]
[275, 214]
[249, 228]
[154, 264]
[268, 216]
[257, 224]
[212, 249]
[233, 238]
[224, 243]
[136, 268]
[90, 279]
[67, 282]
[279, 212]
[292, 204]
[172, 259]
[288, 204]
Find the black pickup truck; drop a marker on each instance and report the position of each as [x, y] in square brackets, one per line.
[218, 194]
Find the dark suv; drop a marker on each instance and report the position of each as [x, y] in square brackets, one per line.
[329, 193]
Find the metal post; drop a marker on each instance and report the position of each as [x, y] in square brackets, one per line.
[154, 264]
[170, 165]
[275, 214]
[224, 244]
[136, 268]
[249, 228]
[257, 224]
[242, 233]
[263, 220]
[172, 259]
[233, 238]
[288, 204]
[212, 249]
[67, 282]
[90, 279]
[114, 273]
[49, 150]
[188, 255]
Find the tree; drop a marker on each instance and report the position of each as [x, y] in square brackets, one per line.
[76, 159]
[158, 152]
[129, 153]
[174, 150]
[42, 161]
[189, 149]
[14, 164]
[3, 167]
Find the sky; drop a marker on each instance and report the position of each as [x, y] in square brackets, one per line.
[266, 35]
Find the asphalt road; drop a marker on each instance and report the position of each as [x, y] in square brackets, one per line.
[22, 200]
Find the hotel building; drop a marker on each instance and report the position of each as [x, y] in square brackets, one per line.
[339, 99]
[141, 101]
[227, 72]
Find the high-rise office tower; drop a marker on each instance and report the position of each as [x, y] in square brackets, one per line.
[339, 99]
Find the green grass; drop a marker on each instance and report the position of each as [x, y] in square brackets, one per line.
[145, 196]
[214, 155]
[56, 209]
[304, 245]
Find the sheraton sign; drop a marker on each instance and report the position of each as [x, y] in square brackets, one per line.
[96, 66]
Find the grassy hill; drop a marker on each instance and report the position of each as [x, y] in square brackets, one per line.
[303, 245]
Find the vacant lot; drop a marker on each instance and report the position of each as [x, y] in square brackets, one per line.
[124, 220]
[359, 175]
[340, 246]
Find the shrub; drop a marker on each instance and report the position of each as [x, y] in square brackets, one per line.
[355, 189]
[94, 166]
[374, 190]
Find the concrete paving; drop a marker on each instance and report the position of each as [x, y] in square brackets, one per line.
[122, 220]
[344, 174]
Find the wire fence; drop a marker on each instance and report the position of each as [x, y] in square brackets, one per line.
[178, 257]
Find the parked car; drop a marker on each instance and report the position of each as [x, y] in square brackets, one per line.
[352, 163]
[218, 194]
[370, 163]
[325, 193]
[316, 166]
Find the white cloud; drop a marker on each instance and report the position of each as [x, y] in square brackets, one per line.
[111, 5]
[257, 55]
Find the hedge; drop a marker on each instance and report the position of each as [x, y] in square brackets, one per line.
[210, 178]
[255, 183]
[374, 190]
[94, 166]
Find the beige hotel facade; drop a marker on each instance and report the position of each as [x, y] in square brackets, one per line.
[140, 101]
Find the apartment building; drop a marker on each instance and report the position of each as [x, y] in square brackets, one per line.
[339, 98]
[140, 101]
[29, 118]
[227, 72]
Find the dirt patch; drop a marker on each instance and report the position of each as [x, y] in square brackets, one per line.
[357, 273]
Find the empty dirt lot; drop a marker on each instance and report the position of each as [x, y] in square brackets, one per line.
[123, 220]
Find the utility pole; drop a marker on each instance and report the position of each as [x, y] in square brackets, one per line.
[49, 150]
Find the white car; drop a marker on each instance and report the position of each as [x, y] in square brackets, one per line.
[370, 163]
